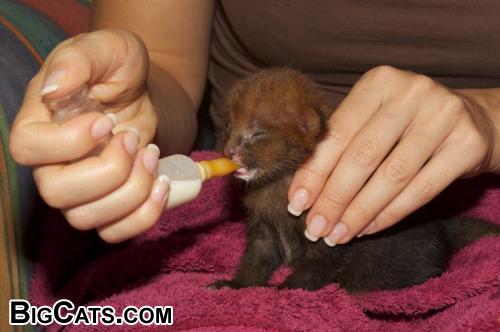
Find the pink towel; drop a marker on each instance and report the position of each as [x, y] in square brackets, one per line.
[199, 242]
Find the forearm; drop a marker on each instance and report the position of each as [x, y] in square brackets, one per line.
[176, 112]
[489, 101]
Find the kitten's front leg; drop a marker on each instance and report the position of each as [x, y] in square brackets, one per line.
[261, 258]
[308, 275]
[313, 270]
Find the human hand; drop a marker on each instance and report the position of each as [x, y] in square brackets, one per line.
[395, 142]
[116, 191]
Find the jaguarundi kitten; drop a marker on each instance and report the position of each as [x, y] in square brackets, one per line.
[276, 119]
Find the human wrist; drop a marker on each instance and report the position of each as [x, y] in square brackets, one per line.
[494, 166]
[488, 100]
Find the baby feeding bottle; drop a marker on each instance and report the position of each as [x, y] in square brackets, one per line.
[186, 176]
[66, 108]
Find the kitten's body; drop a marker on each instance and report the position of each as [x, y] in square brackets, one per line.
[285, 106]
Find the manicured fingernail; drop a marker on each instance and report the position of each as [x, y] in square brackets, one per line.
[53, 81]
[370, 228]
[298, 202]
[103, 126]
[150, 158]
[131, 140]
[160, 188]
[339, 231]
[315, 228]
[367, 229]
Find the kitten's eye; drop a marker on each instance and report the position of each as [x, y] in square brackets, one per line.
[258, 134]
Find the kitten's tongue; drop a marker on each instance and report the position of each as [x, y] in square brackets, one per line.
[245, 174]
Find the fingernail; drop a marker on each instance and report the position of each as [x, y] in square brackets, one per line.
[150, 158]
[160, 188]
[298, 202]
[339, 231]
[370, 228]
[103, 126]
[53, 81]
[131, 140]
[315, 228]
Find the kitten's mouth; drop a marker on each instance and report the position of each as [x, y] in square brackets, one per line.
[245, 174]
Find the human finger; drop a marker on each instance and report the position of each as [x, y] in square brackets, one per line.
[360, 159]
[113, 62]
[141, 219]
[94, 176]
[396, 171]
[441, 170]
[123, 200]
[342, 126]
[46, 142]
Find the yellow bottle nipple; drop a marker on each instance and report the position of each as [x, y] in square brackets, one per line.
[216, 167]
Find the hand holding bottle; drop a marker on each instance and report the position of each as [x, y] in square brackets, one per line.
[116, 191]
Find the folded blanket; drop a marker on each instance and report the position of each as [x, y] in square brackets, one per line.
[199, 242]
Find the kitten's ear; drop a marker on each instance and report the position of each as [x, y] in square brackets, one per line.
[324, 110]
[311, 124]
[314, 118]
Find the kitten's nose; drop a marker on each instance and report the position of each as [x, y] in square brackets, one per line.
[232, 153]
[229, 152]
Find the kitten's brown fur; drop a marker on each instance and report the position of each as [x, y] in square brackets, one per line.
[277, 117]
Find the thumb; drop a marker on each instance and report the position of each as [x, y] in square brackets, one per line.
[113, 63]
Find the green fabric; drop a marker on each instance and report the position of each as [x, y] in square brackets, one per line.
[40, 32]
[15, 197]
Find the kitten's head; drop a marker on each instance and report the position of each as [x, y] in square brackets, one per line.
[276, 118]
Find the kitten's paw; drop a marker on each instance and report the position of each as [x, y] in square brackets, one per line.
[221, 284]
